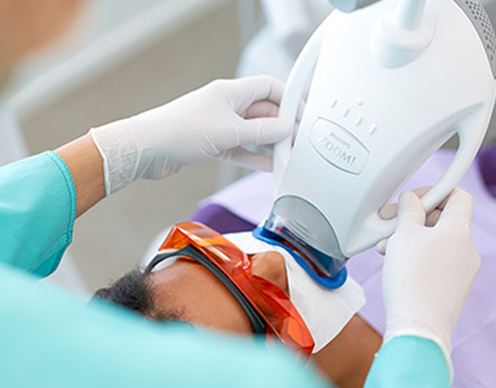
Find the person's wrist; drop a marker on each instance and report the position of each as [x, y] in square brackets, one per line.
[117, 147]
[86, 166]
[104, 162]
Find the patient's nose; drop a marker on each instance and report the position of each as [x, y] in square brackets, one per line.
[271, 266]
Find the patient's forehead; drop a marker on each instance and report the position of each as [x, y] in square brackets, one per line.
[190, 289]
[175, 275]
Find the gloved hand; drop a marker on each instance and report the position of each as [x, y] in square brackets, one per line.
[212, 122]
[429, 270]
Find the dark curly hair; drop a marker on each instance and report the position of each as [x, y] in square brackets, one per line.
[134, 292]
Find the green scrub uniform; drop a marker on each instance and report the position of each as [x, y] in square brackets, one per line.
[51, 339]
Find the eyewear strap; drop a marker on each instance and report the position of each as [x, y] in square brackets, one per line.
[259, 327]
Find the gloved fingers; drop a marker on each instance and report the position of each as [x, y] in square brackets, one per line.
[243, 158]
[262, 109]
[267, 109]
[422, 191]
[433, 217]
[390, 210]
[246, 91]
[442, 205]
[411, 209]
[458, 209]
[263, 131]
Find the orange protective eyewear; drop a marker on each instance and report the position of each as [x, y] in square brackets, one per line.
[269, 308]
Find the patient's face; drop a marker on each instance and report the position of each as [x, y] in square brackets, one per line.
[188, 291]
[199, 298]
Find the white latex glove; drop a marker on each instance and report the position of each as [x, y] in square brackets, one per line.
[428, 271]
[212, 122]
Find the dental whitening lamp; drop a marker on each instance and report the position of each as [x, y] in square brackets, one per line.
[389, 84]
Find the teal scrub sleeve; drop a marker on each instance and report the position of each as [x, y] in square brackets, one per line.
[37, 213]
[49, 339]
[409, 362]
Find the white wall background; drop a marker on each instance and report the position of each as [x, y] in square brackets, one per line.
[126, 56]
